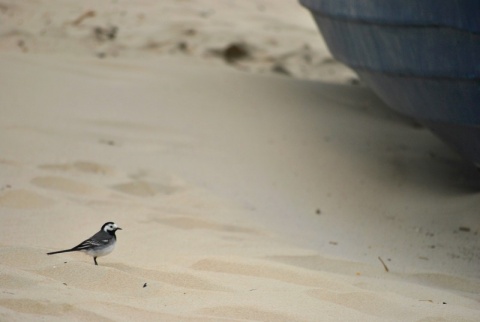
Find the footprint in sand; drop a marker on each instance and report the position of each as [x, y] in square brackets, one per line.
[9, 162]
[86, 167]
[63, 185]
[24, 199]
[136, 187]
[143, 188]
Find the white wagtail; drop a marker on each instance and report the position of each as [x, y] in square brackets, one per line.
[100, 244]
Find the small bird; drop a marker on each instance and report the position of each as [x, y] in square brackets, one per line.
[100, 244]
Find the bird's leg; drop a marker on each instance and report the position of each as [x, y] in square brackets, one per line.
[95, 260]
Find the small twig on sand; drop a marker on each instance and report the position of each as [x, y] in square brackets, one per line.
[83, 16]
[383, 263]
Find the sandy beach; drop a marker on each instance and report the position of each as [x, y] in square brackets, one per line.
[255, 177]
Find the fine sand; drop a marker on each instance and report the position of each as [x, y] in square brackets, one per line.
[254, 177]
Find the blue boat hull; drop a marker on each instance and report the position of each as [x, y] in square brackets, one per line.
[422, 61]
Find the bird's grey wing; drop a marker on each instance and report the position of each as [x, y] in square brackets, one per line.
[99, 239]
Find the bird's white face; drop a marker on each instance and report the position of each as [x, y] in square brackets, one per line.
[111, 227]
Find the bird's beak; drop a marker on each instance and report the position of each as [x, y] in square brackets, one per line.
[118, 228]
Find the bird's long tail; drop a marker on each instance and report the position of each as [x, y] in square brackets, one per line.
[63, 251]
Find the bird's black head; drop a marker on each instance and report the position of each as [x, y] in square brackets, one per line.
[110, 227]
